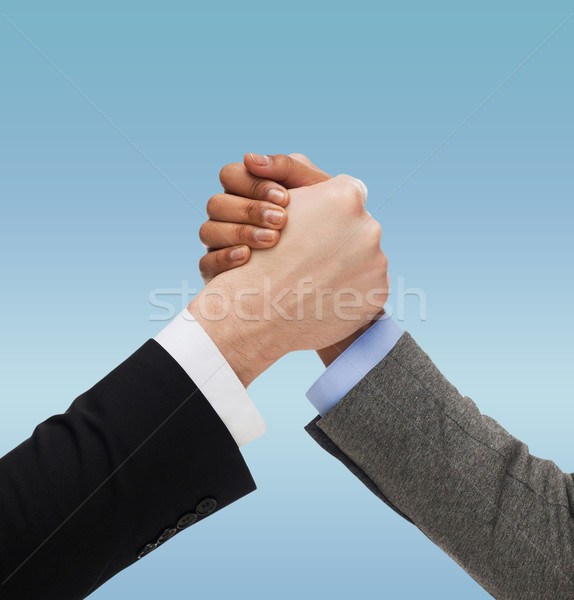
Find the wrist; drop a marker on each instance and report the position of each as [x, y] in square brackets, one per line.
[243, 338]
[330, 353]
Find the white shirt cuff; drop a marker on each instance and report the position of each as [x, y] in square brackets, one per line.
[188, 343]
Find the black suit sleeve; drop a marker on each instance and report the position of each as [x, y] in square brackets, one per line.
[133, 461]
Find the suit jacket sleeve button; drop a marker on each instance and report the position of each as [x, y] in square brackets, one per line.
[206, 507]
[166, 535]
[187, 521]
[146, 550]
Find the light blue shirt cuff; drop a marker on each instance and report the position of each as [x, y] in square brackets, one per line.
[351, 366]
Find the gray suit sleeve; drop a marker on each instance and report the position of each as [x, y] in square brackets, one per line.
[502, 514]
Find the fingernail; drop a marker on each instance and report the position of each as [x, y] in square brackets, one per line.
[273, 216]
[262, 161]
[238, 254]
[264, 235]
[276, 196]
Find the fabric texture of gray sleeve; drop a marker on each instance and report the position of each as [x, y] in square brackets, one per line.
[502, 514]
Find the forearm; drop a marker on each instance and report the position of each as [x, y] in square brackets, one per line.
[471, 487]
[93, 487]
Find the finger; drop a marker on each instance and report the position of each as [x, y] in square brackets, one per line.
[233, 209]
[219, 261]
[215, 235]
[289, 171]
[237, 180]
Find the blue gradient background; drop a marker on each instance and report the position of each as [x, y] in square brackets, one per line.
[88, 228]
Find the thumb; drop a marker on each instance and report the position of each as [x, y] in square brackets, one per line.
[291, 171]
[303, 159]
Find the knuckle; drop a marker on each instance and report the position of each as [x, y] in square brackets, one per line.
[214, 205]
[278, 159]
[283, 165]
[384, 261]
[225, 172]
[229, 171]
[218, 261]
[204, 268]
[380, 264]
[376, 230]
[375, 240]
[241, 232]
[204, 232]
[287, 162]
[257, 188]
[352, 192]
[251, 210]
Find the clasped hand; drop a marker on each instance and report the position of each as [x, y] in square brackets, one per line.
[311, 271]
